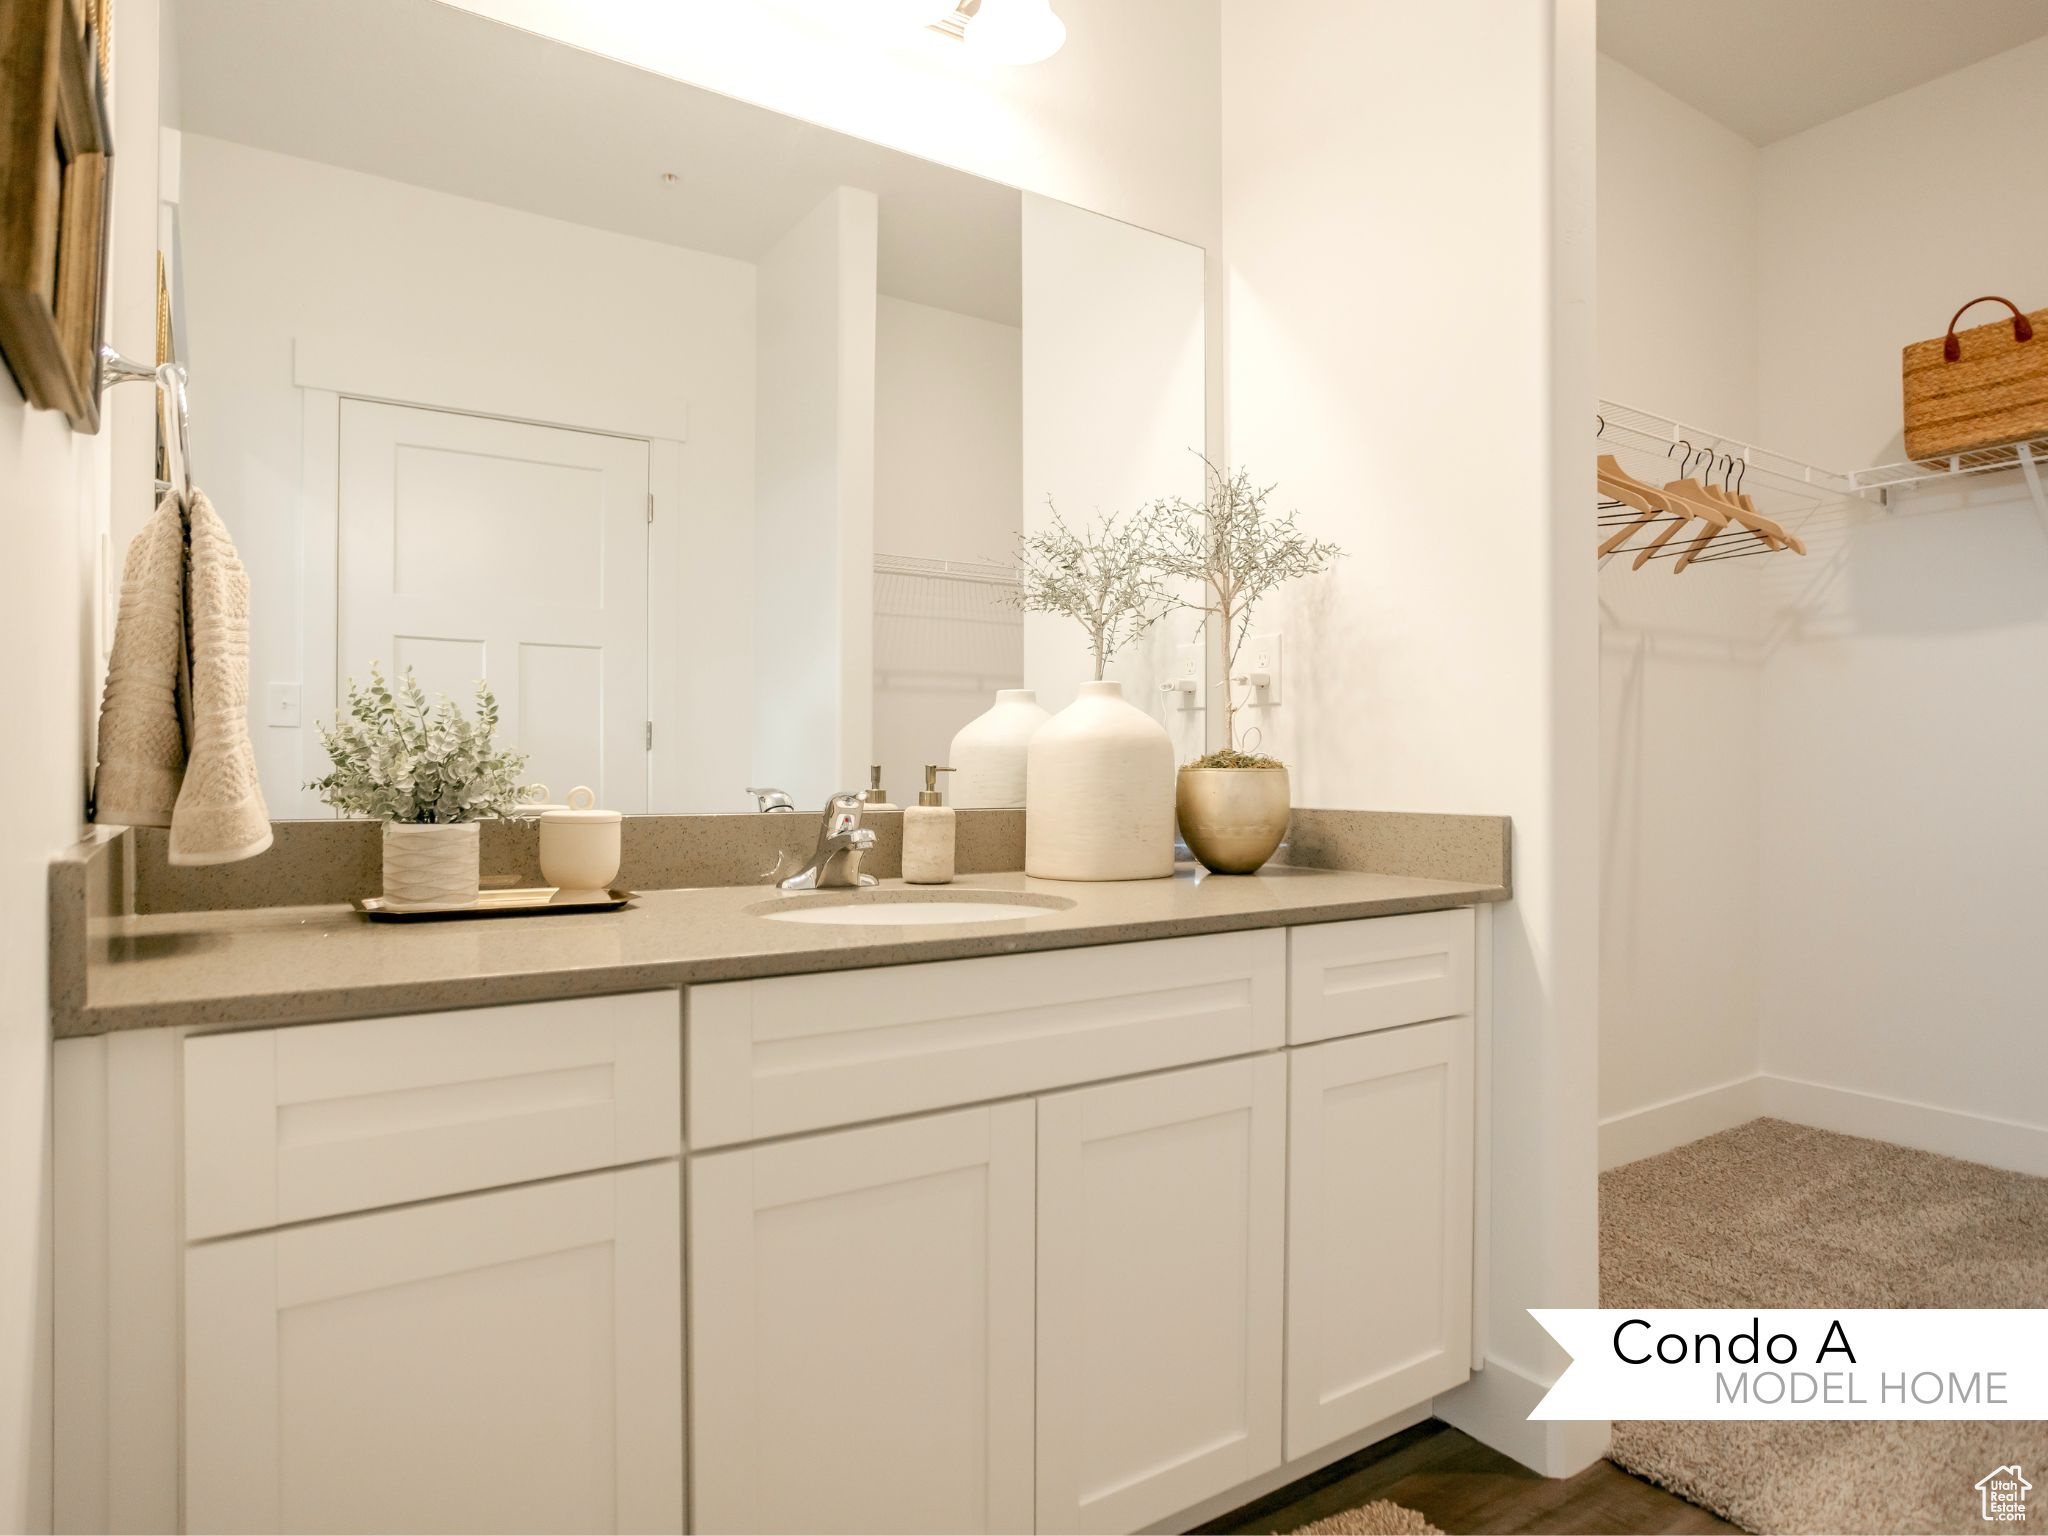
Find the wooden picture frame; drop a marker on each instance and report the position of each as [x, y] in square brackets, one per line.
[54, 148]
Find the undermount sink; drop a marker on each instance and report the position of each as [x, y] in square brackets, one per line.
[905, 909]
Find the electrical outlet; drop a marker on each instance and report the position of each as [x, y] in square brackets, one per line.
[1185, 680]
[1259, 657]
[281, 704]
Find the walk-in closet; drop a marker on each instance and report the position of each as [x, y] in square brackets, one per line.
[1822, 531]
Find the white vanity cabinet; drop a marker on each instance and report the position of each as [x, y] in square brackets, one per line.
[1065, 1241]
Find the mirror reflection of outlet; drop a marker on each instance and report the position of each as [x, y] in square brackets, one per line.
[281, 704]
[1186, 678]
[1259, 656]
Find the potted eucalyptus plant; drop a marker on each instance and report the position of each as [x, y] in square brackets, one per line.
[1235, 550]
[430, 773]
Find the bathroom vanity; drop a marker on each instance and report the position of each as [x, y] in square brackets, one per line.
[700, 1219]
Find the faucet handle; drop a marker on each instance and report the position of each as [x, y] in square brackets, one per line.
[768, 799]
[861, 839]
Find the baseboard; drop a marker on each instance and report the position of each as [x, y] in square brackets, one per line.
[1494, 1408]
[1673, 1122]
[1929, 1127]
[1258, 1487]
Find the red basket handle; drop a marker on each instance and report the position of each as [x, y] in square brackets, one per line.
[2022, 327]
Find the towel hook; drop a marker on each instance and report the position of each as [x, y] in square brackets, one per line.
[175, 411]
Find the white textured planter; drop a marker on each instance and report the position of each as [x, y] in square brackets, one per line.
[1099, 792]
[990, 752]
[430, 862]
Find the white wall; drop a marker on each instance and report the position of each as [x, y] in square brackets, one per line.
[948, 449]
[1113, 409]
[55, 495]
[1122, 120]
[814, 501]
[298, 273]
[1904, 811]
[1408, 226]
[1679, 771]
[54, 485]
[948, 472]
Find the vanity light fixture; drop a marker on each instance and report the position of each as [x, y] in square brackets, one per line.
[1007, 31]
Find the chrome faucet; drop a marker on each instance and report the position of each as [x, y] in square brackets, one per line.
[771, 799]
[841, 842]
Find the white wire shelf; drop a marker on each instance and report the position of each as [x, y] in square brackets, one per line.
[1646, 432]
[2027, 457]
[946, 570]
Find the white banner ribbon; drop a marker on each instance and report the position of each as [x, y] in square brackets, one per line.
[1757, 1364]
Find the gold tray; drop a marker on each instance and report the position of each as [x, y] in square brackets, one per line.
[527, 901]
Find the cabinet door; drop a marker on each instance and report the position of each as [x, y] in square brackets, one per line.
[500, 1362]
[1379, 1227]
[1159, 1290]
[861, 1308]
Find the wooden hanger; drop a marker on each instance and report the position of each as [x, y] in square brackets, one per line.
[1689, 498]
[1627, 489]
[1775, 529]
[1736, 512]
[1743, 510]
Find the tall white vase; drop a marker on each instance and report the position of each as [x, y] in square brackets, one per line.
[1099, 792]
[989, 753]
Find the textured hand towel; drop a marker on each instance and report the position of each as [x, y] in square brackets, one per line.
[144, 710]
[220, 816]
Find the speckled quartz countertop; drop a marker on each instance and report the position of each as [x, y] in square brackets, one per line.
[288, 965]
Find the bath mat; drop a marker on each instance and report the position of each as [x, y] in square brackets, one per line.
[1778, 1215]
[1382, 1517]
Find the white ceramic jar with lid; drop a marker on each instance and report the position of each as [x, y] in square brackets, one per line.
[579, 845]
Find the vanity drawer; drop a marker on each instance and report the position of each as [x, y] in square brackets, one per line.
[283, 1125]
[1378, 972]
[799, 1053]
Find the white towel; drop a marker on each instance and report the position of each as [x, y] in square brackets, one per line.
[144, 710]
[178, 727]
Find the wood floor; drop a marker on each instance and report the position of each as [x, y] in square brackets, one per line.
[1460, 1485]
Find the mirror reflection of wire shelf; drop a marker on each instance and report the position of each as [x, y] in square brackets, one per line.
[946, 626]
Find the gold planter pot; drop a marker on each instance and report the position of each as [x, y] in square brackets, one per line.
[1232, 818]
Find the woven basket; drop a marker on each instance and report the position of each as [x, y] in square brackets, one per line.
[1978, 387]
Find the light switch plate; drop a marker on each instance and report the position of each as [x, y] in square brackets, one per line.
[281, 704]
[1261, 653]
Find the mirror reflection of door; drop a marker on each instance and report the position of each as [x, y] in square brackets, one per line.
[472, 548]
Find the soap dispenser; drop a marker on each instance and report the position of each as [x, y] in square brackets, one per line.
[928, 834]
[876, 798]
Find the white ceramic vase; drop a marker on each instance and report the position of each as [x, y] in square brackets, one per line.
[989, 754]
[430, 862]
[1099, 792]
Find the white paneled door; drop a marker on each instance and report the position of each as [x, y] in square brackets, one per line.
[1160, 1214]
[510, 1361]
[861, 1312]
[472, 547]
[1379, 1227]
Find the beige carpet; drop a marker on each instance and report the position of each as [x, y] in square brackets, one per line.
[1382, 1517]
[1777, 1215]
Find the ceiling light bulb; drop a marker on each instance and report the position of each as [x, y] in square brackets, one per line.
[1016, 31]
